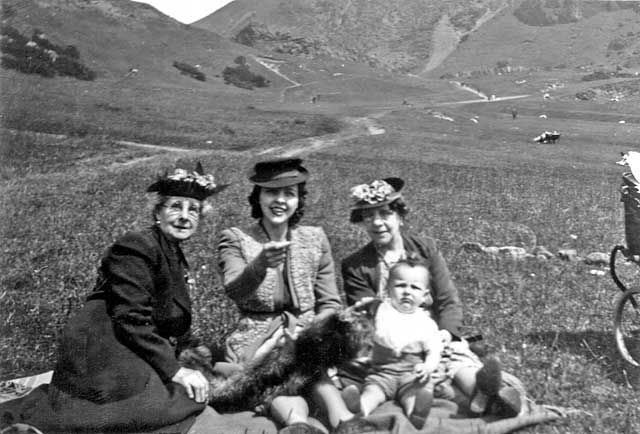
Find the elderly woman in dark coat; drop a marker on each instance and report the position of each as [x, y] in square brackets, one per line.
[117, 368]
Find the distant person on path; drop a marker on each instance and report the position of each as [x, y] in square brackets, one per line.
[514, 113]
[379, 207]
[117, 368]
[281, 276]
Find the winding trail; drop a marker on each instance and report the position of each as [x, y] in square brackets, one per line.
[355, 127]
[273, 66]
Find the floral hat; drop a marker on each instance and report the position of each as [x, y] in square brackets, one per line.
[279, 173]
[188, 184]
[377, 193]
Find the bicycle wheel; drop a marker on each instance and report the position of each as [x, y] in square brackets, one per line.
[627, 326]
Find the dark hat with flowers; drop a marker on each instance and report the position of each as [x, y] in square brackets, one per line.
[279, 173]
[196, 184]
[377, 193]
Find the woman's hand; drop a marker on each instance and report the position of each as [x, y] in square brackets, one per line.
[281, 337]
[273, 253]
[196, 384]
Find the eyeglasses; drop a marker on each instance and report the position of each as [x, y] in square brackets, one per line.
[370, 215]
[174, 208]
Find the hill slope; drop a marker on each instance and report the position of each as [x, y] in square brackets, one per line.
[114, 36]
[416, 36]
[395, 34]
[573, 34]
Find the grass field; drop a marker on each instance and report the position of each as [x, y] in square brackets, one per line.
[68, 196]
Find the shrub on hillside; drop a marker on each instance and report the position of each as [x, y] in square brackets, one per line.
[586, 95]
[246, 36]
[596, 75]
[39, 55]
[186, 69]
[242, 77]
[8, 11]
[325, 126]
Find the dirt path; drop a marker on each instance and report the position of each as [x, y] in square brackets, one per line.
[355, 127]
[273, 66]
[484, 100]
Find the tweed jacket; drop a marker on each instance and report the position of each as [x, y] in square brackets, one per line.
[310, 274]
[359, 277]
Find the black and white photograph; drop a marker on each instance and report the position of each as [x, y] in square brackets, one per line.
[320, 216]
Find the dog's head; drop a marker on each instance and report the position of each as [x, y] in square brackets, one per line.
[342, 336]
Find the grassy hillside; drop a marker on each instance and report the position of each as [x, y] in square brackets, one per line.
[150, 104]
[549, 321]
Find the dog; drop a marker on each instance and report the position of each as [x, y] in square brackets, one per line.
[292, 368]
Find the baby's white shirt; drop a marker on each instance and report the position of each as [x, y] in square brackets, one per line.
[405, 332]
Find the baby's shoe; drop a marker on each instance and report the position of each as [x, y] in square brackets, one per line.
[488, 382]
[351, 397]
[422, 408]
[508, 402]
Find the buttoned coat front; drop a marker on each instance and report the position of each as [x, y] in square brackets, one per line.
[117, 354]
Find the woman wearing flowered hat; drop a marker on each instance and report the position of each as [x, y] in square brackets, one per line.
[117, 368]
[380, 209]
[280, 274]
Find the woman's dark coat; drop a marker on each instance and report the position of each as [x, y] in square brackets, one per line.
[117, 355]
[360, 280]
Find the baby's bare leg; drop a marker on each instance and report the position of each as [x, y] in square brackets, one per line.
[408, 401]
[465, 379]
[372, 396]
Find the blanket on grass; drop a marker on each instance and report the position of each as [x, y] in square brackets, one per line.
[445, 417]
[389, 419]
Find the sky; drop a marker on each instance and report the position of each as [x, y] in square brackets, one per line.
[186, 11]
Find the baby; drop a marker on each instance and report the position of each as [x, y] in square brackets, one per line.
[406, 358]
[407, 347]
